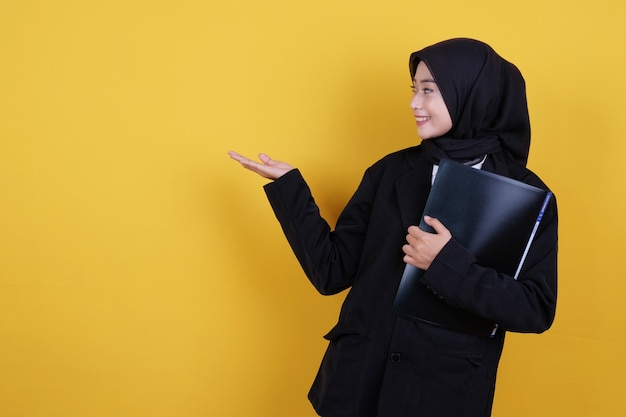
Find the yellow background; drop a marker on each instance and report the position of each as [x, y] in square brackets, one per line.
[142, 272]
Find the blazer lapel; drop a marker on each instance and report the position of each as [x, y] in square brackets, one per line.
[412, 190]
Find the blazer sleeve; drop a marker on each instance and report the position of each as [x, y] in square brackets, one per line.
[527, 304]
[329, 258]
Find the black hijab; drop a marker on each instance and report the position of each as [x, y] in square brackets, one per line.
[486, 98]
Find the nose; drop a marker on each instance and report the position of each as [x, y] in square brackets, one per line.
[417, 102]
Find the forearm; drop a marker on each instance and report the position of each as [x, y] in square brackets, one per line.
[327, 258]
[524, 305]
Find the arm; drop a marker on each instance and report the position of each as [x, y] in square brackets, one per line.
[524, 305]
[330, 259]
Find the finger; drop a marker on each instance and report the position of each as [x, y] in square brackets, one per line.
[414, 231]
[246, 162]
[266, 159]
[253, 166]
[435, 224]
[407, 249]
[237, 157]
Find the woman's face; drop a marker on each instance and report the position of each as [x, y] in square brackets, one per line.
[430, 111]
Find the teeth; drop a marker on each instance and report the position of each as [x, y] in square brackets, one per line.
[422, 118]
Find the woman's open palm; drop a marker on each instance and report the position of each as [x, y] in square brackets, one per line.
[267, 168]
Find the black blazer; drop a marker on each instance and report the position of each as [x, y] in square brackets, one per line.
[379, 364]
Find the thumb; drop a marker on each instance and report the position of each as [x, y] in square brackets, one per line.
[265, 158]
[436, 224]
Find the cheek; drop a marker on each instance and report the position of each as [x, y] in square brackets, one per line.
[448, 121]
[444, 115]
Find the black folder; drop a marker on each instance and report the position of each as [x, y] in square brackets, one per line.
[493, 216]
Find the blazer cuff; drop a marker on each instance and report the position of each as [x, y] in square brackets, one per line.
[451, 265]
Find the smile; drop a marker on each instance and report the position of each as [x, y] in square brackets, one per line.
[420, 120]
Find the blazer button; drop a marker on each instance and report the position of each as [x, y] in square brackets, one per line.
[395, 357]
[440, 297]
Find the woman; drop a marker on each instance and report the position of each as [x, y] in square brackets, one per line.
[470, 106]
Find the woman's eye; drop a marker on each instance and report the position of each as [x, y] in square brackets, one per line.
[424, 90]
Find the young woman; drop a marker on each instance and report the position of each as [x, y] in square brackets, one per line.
[470, 106]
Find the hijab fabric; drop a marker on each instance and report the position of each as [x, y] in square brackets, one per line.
[486, 98]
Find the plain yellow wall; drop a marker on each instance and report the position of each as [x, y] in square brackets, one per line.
[142, 272]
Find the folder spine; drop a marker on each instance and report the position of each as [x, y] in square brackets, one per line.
[532, 234]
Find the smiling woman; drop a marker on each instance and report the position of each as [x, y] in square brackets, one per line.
[143, 274]
[382, 364]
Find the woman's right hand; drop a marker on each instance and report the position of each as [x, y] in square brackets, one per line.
[267, 168]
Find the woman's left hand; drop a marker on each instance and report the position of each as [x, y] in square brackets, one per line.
[422, 247]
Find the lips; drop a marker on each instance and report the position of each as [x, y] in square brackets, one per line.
[420, 120]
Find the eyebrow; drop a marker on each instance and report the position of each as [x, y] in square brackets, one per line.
[426, 80]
